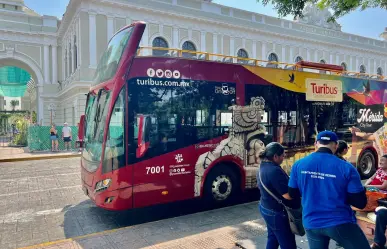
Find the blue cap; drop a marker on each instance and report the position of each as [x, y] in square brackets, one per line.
[327, 136]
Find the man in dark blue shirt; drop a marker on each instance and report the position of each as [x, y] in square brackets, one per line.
[329, 186]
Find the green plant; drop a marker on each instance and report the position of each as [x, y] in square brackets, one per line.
[14, 103]
[21, 124]
[34, 117]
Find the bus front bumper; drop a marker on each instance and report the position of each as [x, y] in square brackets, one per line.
[115, 200]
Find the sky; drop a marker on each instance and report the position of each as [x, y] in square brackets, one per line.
[368, 23]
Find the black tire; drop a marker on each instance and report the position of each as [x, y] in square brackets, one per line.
[367, 164]
[221, 186]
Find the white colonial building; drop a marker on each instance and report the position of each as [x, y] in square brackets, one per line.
[62, 55]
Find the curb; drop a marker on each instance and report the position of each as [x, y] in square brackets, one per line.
[33, 158]
[62, 241]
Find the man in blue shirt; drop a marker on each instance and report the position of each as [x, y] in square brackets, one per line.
[328, 187]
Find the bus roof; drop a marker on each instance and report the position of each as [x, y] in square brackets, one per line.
[220, 58]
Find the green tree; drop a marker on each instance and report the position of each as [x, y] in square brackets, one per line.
[339, 7]
[14, 103]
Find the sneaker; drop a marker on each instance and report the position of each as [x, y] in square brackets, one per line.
[376, 246]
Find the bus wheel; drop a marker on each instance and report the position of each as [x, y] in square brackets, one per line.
[367, 164]
[221, 185]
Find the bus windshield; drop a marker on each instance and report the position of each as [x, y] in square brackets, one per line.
[96, 114]
[110, 59]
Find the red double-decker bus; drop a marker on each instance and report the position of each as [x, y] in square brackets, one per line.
[163, 125]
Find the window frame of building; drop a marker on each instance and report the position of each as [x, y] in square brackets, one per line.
[362, 69]
[298, 59]
[188, 46]
[379, 71]
[159, 42]
[344, 65]
[242, 53]
[270, 60]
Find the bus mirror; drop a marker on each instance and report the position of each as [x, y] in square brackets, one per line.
[143, 135]
[81, 131]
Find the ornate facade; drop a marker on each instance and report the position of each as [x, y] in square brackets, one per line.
[62, 55]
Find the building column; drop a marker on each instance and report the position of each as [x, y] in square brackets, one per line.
[110, 27]
[350, 63]
[39, 104]
[369, 66]
[68, 61]
[203, 41]
[264, 51]
[92, 40]
[316, 56]
[307, 54]
[283, 54]
[232, 46]
[214, 45]
[337, 60]
[73, 62]
[175, 38]
[375, 67]
[54, 64]
[221, 45]
[46, 64]
[63, 63]
[254, 50]
[79, 42]
[291, 55]
[357, 65]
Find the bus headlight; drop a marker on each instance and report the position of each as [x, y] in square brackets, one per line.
[102, 185]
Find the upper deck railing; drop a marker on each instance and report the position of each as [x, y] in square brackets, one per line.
[196, 55]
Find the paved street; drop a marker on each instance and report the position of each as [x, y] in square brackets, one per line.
[42, 202]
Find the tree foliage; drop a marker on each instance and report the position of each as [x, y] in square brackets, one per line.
[14, 103]
[339, 7]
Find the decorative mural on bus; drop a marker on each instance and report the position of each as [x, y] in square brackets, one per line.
[371, 96]
[243, 142]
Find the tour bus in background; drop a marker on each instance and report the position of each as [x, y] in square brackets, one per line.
[163, 125]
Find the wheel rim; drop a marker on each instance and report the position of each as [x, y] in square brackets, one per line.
[366, 164]
[221, 187]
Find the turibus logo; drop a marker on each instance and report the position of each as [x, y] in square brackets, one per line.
[159, 73]
[324, 90]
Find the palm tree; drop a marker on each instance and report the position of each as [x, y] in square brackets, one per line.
[14, 103]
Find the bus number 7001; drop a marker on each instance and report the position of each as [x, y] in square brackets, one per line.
[155, 170]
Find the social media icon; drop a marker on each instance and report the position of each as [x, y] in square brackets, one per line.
[168, 74]
[159, 73]
[151, 72]
[176, 74]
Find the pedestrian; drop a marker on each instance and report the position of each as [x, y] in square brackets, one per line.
[54, 138]
[329, 187]
[67, 136]
[276, 181]
[342, 149]
[380, 229]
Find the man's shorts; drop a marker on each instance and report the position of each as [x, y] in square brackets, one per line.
[67, 139]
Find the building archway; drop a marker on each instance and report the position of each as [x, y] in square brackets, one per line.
[35, 87]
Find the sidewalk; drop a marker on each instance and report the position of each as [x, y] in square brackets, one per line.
[12, 154]
[227, 228]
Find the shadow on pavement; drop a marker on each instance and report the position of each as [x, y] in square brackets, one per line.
[85, 218]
